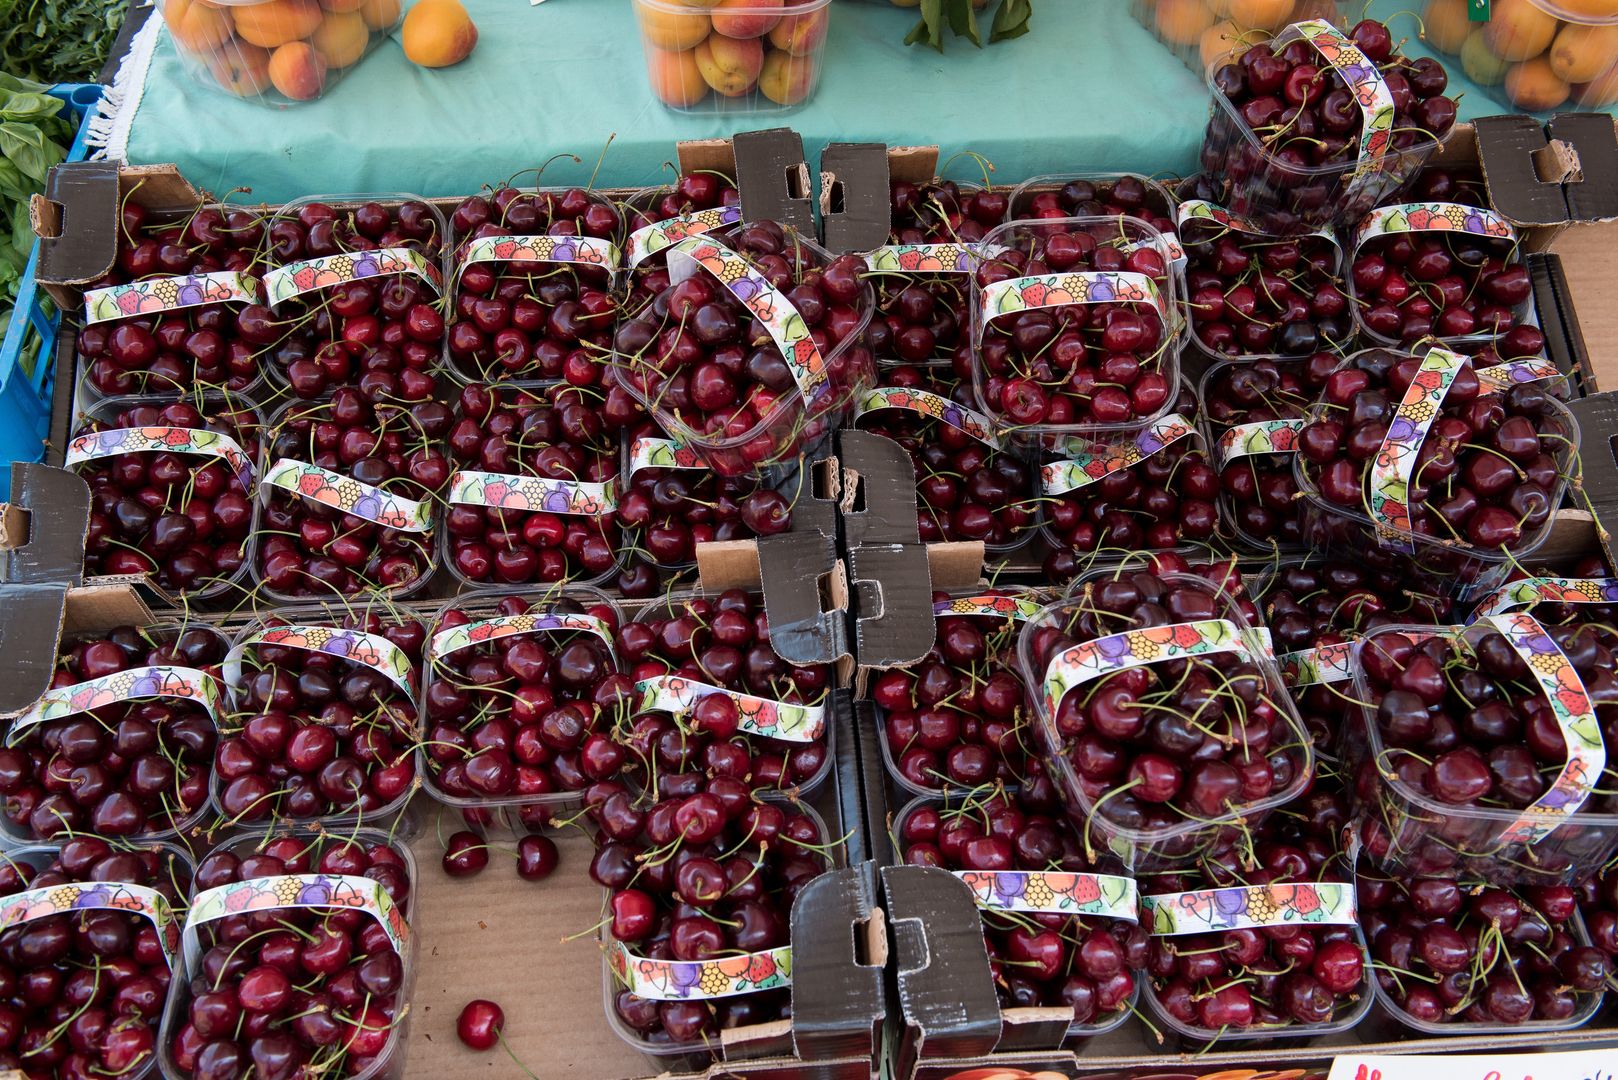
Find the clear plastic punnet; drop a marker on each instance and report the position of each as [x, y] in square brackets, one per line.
[733, 58]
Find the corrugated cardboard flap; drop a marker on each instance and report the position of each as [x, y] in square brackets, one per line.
[878, 490]
[48, 518]
[855, 209]
[1548, 176]
[773, 178]
[805, 597]
[839, 949]
[30, 625]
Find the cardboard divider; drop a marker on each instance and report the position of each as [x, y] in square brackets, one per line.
[855, 209]
[774, 178]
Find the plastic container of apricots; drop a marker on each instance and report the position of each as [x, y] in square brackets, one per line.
[276, 52]
[1533, 56]
[733, 56]
[1199, 32]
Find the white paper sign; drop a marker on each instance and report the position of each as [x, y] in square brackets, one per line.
[1570, 1065]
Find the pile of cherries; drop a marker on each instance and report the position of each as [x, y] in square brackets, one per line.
[1127, 195]
[125, 769]
[315, 735]
[704, 878]
[1177, 747]
[557, 432]
[81, 993]
[1086, 963]
[1598, 904]
[312, 548]
[1075, 363]
[956, 718]
[1450, 950]
[210, 345]
[702, 361]
[385, 330]
[719, 641]
[966, 489]
[1294, 973]
[1485, 472]
[1255, 295]
[182, 518]
[516, 717]
[313, 991]
[524, 319]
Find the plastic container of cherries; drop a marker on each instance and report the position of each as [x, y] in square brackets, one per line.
[1121, 639]
[1099, 194]
[697, 203]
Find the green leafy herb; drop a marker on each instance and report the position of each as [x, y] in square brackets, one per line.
[1010, 21]
[58, 40]
[32, 139]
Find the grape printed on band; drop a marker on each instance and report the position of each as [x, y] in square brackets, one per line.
[1092, 460]
[1079, 664]
[507, 491]
[585, 250]
[1529, 592]
[1203, 210]
[308, 275]
[700, 980]
[997, 605]
[935, 406]
[161, 681]
[1365, 84]
[368, 650]
[1054, 892]
[162, 440]
[1322, 664]
[1396, 460]
[759, 716]
[648, 240]
[1200, 911]
[483, 631]
[155, 295]
[277, 893]
[25, 907]
[351, 496]
[1011, 295]
[1498, 378]
[925, 258]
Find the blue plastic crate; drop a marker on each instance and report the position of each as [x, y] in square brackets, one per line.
[27, 357]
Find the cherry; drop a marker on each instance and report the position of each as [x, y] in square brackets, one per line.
[480, 1024]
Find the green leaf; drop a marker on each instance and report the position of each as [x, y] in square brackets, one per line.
[1011, 20]
[932, 13]
[28, 106]
[964, 21]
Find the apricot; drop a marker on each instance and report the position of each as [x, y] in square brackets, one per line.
[277, 22]
[1517, 30]
[341, 38]
[1445, 25]
[672, 30]
[787, 79]
[675, 77]
[741, 19]
[297, 70]
[342, 6]
[1181, 22]
[730, 65]
[1532, 86]
[1261, 14]
[195, 25]
[241, 68]
[1580, 53]
[379, 14]
[1599, 91]
[1590, 9]
[1222, 39]
[438, 33]
[801, 35]
[1480, 63]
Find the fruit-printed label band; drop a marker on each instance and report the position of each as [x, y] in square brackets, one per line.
[1529, 592]
[1074, 287]
[1575, 716]
[1365, 83]
[1259, 437]
[1321, 903]
[294, 891]
[1167, 243]
[996, 605]
[1108, 896]
[1396, 460]
[700, 980]
[367, 650]
[1322, 664]
[935, 406]
[648, 240]
[135, 684]
[25, 907]
[586, 250]
[1498, 378]
[768, 304]
[1431, 217]
[1203, 210]
[469, 634]
[650, 452]
[308, 275]
[1093, 460]
[1088, 660]
[759, 716]
[925, 258]
[350, 496]
[171, 440]
[156, 295]
[506, 491]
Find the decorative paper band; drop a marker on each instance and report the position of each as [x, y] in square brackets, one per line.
[997, 605]
[1498, 378]
[294, 891]
[172, 440]
[308, 275]
[469, 634]
[768, 304]
[588, 250]
[1074, 287]
[1528, 592]
[1323, 903]
[1106, 895]
[931, 405]
[759, 716]
[1575, 716]
[1322, 664]
[700, 980]
[648, 240]
[25, 907]
[1396, 460]
[1089, 660]
[648, 452]
[368, 650]
[1365, 84]
[1203, 210]
[506, 491]
[1259, 437]
[183, 683]
[1168, 244]
[925, 258]
[350, 496]
[169, 294]
[1431, 217]
[1093, 460]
